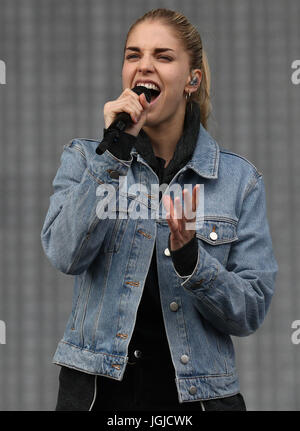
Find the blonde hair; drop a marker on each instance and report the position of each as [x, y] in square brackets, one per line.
[192, 42]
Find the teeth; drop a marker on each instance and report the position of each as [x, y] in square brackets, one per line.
[148, 85]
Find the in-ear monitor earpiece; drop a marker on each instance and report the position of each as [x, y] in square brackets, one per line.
[194, 81]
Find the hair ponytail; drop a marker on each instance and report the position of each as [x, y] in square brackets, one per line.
[202, 95]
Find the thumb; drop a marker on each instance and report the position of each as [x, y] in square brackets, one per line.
[144, 101]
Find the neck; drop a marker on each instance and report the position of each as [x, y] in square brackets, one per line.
[164, 137]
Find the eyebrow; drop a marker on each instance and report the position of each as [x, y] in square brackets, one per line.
[157, 50]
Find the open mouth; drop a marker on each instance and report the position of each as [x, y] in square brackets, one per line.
[154, 89]
[154, 95]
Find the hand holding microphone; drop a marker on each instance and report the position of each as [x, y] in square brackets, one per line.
[129, 112]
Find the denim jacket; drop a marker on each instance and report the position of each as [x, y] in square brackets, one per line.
[228, 292]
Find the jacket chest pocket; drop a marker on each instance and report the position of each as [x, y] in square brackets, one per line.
[216, 236]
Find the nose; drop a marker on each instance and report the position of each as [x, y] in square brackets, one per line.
[145, 64]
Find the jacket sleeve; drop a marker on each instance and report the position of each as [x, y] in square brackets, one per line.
[235, 299]
[73, 231]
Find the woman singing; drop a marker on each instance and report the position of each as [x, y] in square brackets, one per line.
[157, 299]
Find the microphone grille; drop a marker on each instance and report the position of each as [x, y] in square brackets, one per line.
[139, 89]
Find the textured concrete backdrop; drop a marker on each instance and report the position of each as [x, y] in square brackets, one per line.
[63, 62]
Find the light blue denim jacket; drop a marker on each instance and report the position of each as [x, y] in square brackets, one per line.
[228, 293]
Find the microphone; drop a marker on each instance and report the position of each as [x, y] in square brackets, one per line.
[123, 119]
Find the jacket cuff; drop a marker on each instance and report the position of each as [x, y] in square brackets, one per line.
[117, 143]
[205, 272]
[185, 258]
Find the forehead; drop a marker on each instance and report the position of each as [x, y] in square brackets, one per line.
[154, 34]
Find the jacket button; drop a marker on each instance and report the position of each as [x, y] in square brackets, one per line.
[213, 236]
[184, 359]
[137, 354]
[192, 390]
[174, 306]
[113, 174]
[167, 252]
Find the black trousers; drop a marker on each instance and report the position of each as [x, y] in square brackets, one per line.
[148, 385]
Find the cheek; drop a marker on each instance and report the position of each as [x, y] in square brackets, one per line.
[175, 85]
[175, 91]
[126, 76]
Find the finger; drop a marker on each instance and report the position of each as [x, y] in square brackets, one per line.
[170, 216]
[143, 106]
[196, 191]
[167, 205]
[173, 225]
[135, 114]
[179, 214]
[133, 108]
[189, 214]
[127, 92]
[171, 206]
[138, 108]
[129, 96]
[144, 101]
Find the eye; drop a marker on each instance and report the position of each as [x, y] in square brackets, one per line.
[165, 58]
[160, 57]
[131, 56]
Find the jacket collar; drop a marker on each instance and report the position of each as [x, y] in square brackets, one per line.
[205, 159]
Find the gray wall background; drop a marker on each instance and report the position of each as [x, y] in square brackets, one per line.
[63, 60]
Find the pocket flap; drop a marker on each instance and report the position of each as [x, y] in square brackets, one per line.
[215, 232]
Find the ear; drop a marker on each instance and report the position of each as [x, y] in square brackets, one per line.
[195, 76]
